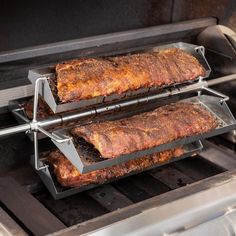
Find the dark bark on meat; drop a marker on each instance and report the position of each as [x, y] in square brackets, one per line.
[147, 130]
[88, 78]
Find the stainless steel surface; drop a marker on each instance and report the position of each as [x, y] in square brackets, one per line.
[220, 226]
[226, 84]
[224, 98]
[55, 138]
[169, 31]
[231, 136]
[77, 153]
[182, 215]
[220, 80]
[219, 155]
[59, 192]
[17, 109]
[171, 215]
[49, 97]
[37, 85]
[20, 115]
[37, 164]
[14, 130]
[8, 227]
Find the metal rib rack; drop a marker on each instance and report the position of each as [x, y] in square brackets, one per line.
[79, 153]
[59, 192]
[49, 93]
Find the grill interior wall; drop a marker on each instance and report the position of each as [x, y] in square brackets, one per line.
[43, 22]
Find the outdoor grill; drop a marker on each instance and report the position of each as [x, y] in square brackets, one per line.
[33, 202]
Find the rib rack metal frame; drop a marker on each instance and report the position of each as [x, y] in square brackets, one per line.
[35, 126]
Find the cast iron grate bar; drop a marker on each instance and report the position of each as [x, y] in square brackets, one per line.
[149, 184]
[133, 192]
[74, 209]
[198, 168]
[171, 177]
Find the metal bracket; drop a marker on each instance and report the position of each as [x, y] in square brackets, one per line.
[37, 165]
[223, 96]
[34, 126]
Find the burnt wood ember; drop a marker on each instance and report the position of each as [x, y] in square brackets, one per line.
[146, 130]
[92, 77]
[68, 176]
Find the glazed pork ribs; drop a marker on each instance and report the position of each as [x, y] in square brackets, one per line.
[92, 77]
[147, 130]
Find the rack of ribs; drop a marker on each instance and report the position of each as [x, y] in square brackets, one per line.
[68, 176]
[146, 130]
[92, 77]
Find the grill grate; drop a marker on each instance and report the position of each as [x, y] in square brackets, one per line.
[92, 203]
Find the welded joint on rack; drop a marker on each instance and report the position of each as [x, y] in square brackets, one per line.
[18, 109]
[35, 127]
[201, 50]
[200, 80]
[224, 98]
